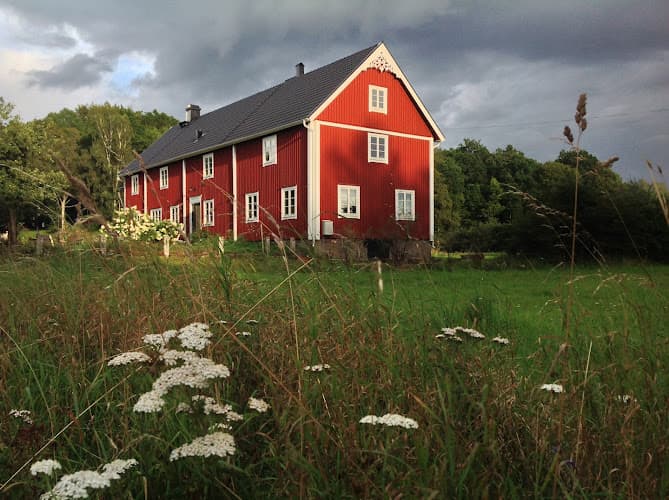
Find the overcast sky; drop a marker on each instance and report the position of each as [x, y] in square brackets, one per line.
[501, 71]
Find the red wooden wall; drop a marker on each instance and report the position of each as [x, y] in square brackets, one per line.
[351, 106]
[218, 188]
[344, 161]
[137, 200]
[290, 170]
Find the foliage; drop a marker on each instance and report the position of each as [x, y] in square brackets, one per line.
[504, 201]
[129, 223]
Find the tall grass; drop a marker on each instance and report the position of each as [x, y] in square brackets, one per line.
[485, 427]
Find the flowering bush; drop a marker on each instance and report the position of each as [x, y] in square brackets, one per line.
[131, 224]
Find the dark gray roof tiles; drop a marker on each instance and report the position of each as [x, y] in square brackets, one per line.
[272, 109]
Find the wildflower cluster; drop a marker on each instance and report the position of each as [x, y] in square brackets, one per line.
[452, 334]
[219, 444]
[23, 415]
[126, 358]
[317, 368]
[47, 467]
[258, 405]
[390, 420]
[76, 485]
[556, 388]
[131, 224]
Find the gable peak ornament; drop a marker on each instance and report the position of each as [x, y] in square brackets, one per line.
[382, 64]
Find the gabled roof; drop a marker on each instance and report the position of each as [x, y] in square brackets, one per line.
[279, 107]
[282, 106]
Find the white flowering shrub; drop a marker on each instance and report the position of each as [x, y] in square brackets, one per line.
[131, 224]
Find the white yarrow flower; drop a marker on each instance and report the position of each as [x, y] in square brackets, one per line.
[390, 420]
[126, 358]
[195, 336]
[159, 341]
[251, 321]
[47, 467]
[448, 331]
[149, 402]
[76, 485]
[556, 388]
[317, 368]
[220, 444]
[258, 405]
[23, 415]
[243, 334]
[183, 408]
[501, 340]
[626, 398]
[475, 334]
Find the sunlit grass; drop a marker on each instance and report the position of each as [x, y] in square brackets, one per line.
[484, 426]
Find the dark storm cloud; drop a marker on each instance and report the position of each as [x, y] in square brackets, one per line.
[79, 71]
[503, 71]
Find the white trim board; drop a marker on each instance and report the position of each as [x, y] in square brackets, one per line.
[375, 131]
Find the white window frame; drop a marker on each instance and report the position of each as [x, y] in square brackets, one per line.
[269, 150]
[341, 188]
[208, 166]
[374, 148]
[134, 184]
[208, 213]
[164, 177]
[378, 99]
[156, 214]
[252, 207]
[289, 210]
[175, 213]
[402, 214]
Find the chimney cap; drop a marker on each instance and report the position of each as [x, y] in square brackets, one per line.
[299, 69]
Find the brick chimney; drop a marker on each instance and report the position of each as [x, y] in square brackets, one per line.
[299, 69]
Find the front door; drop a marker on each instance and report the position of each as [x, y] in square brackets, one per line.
[195, 214]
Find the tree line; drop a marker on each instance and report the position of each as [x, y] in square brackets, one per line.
[504, 201]
[42, 159]
[484, 200]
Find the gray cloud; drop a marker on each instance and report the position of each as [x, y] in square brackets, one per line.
[78, 71]
[477, 64]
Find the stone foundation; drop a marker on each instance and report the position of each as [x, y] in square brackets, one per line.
[397, 251]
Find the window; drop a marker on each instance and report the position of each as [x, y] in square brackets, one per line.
[164, 178]
[269, 150]
[156, 214]
[289, 203]
[252, 207]
[134, 181]
[348, 201]
[175, 214]
[208, 166]
[378, 148]
[405, 204]
[377, 99]
[208, 213]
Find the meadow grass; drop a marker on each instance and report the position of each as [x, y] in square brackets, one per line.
[485, 426]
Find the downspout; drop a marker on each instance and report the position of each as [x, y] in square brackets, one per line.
[234, 193]
[144, 177]
[432, 148]
[183, 194]
[311, 231]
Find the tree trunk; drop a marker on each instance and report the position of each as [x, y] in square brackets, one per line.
[63, 203]
[12, 230]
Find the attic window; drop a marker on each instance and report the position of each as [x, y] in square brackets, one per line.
[377, 99]
[269, 150]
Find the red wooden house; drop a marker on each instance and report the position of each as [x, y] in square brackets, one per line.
[343, 150]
